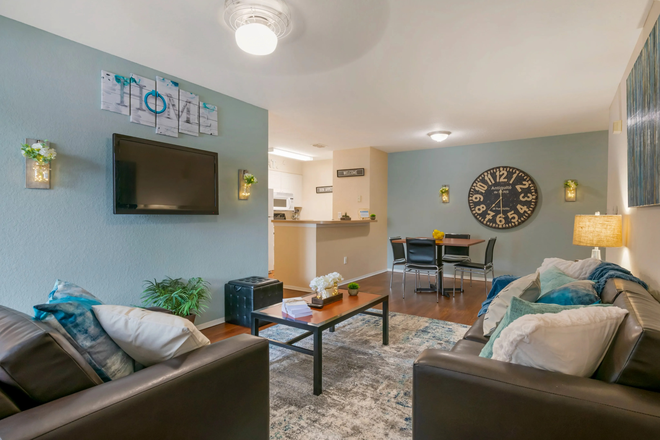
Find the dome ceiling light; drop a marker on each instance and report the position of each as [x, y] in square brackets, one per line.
[258, 24]
[439, 136]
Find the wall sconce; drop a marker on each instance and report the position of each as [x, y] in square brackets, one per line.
[245, 182]
[570, 190]
[38, 156]
[444, 193]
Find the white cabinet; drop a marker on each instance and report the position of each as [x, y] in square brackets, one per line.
[287, 183]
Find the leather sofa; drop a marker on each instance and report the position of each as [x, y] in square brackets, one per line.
[459, 395]
[48, 391]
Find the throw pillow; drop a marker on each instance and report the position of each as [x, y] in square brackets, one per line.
[527, 288]
[579, 270]
[149, 337]
[577, 293]
[520, 308]
[496, 287]
[570, 342]
[71, 306]
[553, 278]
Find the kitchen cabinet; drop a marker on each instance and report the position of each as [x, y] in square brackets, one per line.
[287, 183]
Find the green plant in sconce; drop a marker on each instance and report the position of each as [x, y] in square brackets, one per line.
[444, 190]
[249, 179]
[39, 151]
[572, 184]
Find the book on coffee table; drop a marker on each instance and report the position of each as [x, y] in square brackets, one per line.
[296, 307]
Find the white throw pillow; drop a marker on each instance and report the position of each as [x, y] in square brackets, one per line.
[527, 288]
[149, 337]
[580, 270]
[570, 342]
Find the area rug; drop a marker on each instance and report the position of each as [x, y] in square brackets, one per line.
[367, 387]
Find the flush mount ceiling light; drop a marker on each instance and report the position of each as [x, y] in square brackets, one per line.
[290, 154]
[258, 24]
[439, 136]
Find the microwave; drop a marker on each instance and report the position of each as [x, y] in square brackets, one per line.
[282, 201]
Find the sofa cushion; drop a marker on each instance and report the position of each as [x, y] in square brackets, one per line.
[37, 364]
[72, 305]
[633, 359]
[467, 347]
[476, 332]
[7, 406]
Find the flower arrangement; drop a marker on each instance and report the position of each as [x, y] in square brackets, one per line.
[39, 151]
[572, 184]
[249, 179]
[328, 281]
[444, 190]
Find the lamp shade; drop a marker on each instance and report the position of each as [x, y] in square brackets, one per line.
[597, 230]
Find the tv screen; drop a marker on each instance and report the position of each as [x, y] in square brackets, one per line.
[156, 178]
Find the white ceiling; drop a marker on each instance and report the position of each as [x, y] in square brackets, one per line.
[356, 73]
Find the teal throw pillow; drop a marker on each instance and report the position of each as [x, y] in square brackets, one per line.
[553, 278]
[518, 308]
[577, 293]
[71, 306]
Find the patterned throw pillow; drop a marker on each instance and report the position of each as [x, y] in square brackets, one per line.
[553, 278]
[577, 293]
[71, 306]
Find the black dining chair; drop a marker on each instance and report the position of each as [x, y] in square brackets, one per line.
[422, 256]
[398, 256]
[485, 267]
[456, 254]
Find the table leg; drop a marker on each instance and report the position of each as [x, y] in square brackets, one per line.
[332, 329]
[255, 326]
[318, 363]
[386, 322]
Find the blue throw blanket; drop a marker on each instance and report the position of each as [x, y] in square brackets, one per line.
[605, 271]
[499, 283]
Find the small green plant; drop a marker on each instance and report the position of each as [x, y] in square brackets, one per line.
[249, 179]
[373, 216]
[353, 286]
[39, 151]
[180, 297]
[571, 184]
[444, 190]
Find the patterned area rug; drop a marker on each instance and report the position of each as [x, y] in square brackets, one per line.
[367, 387]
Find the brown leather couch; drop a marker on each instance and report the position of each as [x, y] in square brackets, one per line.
[459, 395]
[48, 391]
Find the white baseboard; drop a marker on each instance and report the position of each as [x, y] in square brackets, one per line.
[361, 277]
[475, 277]
[208, 324]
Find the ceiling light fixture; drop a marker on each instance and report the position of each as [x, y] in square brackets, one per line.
[439, 136]
[290, 154]
[258, 24]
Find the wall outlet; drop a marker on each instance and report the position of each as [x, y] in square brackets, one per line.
[339, 215]
[345, 260]
[359, 198]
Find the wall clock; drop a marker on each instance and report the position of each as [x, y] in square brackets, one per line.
[503, 197]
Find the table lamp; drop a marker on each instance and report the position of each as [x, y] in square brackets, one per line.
[597, 230]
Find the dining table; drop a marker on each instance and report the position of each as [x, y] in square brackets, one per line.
[453, 242]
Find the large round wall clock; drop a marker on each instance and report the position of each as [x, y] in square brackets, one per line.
[503, 197]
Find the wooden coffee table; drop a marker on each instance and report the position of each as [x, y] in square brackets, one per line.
[322, 319]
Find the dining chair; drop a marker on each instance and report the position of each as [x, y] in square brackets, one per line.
[485, 267]
[422, 256]
[398, 256]
[456, 254]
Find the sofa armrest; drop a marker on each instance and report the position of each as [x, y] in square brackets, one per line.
[462, 396]
[220, 391]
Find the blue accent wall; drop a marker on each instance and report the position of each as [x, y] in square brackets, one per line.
[50, 88]
[415, 208]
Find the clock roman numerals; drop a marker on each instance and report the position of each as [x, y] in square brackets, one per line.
[503, 197]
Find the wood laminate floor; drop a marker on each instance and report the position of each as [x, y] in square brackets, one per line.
[462, 309]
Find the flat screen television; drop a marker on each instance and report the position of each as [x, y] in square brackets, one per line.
[157, 178]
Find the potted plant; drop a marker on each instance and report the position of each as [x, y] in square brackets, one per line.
[345, 216]
[353, 289]
[372, 216]
[182, 298]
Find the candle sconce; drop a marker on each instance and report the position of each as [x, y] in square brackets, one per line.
[444, 193]
[37, 171]
[245, 182]
[570, 190]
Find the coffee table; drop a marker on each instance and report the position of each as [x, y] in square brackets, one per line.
[322, 319]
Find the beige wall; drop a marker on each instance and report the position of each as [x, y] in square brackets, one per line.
[346, 190]
[295, 254]
[641, 231]
[286, 165]
[316, 206]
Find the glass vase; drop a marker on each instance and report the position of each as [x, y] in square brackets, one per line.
[41, 171]
[244, 193]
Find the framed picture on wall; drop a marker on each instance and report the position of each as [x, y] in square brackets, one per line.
[323, 189]
[352, 172]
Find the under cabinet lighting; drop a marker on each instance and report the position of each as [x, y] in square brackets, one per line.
[291, 155]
